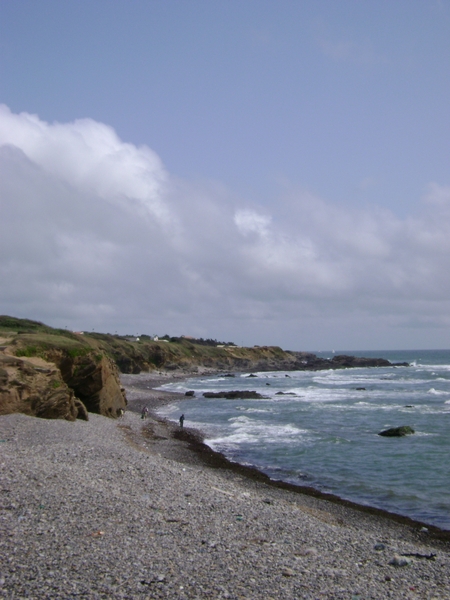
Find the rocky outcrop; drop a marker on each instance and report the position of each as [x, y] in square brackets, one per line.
[36, 388]
[96, 382]
[56, 374]
[233, 395]
[397, 431]
[183, 356]
[94, 379]
[310, 362]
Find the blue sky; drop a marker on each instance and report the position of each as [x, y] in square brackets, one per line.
[257, 171]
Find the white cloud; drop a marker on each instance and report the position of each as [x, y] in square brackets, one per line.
[249, 221]
[95, 233]
[89, 156]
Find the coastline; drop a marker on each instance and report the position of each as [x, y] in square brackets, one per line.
[127, 508]
[192, 441]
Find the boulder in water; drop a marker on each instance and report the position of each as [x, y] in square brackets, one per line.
[233, 395]
[397, 431]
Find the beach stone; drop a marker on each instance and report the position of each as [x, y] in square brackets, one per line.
[400, 561]
[379, 547]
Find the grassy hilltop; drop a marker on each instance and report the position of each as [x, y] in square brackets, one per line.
[27, 338]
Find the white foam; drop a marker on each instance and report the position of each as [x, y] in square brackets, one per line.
[254, 410]
[245, 430]
[437, 392]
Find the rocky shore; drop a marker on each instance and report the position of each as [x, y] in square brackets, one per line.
[128, 508]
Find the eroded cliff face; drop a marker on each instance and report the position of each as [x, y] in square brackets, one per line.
[95, 380]
[35, 387]
[57, 378]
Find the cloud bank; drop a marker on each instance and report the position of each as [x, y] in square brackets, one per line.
[95, 233]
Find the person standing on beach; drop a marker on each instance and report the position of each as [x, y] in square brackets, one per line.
[144, 413]
[181, 421]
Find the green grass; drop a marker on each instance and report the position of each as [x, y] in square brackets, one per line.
[25, 326]
[79, 351]
[29, 351]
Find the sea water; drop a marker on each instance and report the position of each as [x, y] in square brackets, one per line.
[317, 429]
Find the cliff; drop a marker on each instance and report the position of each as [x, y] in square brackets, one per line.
[37, 389]
[184, 355]
[52, 373]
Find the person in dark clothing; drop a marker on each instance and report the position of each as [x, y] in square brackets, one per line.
[181, 421]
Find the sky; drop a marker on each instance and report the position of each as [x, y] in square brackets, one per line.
[257, 171]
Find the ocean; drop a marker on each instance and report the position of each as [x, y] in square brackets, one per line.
[317, 429]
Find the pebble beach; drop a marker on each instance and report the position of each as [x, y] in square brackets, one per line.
[127, 508]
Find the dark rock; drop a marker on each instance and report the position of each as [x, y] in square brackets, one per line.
[307, 361]
[361, 389]
[190, 393]
[172, 366]
[243, 394]
[127, 365]
[397, 431]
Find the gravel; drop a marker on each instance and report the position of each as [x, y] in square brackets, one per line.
[97, 510]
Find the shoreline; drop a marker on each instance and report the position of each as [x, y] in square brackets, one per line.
[193, 440]
[121, 508]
